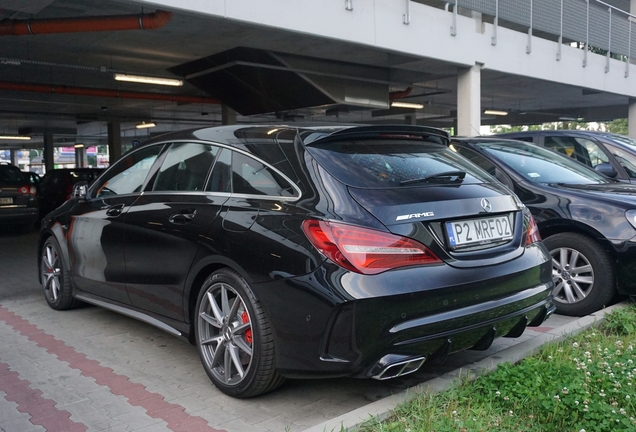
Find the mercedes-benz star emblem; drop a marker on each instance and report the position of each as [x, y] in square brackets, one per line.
[485, 204]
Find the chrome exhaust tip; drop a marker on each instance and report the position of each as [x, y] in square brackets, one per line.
[393, 366]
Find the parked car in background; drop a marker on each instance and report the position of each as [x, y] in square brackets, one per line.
[18, 198]
[290, 252]
[587, 221]
[56, 186]
[611, 154]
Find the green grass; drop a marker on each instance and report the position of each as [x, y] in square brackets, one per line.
[586, 383]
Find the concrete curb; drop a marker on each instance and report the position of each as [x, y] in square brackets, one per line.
[383, 408]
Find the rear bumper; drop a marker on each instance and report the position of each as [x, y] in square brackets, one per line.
[18, 215]
[336, 323]
[436, 335]
[439, 345]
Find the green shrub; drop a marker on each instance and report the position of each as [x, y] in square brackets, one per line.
[586, 383]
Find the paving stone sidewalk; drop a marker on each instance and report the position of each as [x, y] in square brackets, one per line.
[93, 370]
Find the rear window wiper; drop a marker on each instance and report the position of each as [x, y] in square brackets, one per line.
[459, 176]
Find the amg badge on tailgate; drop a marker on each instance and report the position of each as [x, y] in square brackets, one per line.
[414, 216]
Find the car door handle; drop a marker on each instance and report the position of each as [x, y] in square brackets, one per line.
[182, 217]
[115, 210]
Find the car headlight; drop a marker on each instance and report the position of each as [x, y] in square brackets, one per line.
[631, 217]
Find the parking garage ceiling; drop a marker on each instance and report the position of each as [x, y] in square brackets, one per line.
[64, 82]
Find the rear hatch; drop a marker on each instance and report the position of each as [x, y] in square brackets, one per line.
[14, 187]
[420, 189]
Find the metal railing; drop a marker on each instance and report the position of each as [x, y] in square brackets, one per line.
[592, 24]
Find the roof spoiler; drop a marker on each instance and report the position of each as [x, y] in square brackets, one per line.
[389, 131]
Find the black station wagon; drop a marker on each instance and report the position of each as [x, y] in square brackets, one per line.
[302, 252]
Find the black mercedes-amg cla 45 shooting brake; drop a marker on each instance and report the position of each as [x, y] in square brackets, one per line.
[302, 252]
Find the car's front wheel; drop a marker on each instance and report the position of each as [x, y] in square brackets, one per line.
[234, 338]
[54, 277]
[583, 274]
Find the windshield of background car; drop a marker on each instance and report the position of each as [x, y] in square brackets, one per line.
[542, 165]
[623, 140]
[380, 163]
[10, 175]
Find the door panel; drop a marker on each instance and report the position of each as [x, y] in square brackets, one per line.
[163, 234]
[96, 233]
[98, 265]
[165, 227]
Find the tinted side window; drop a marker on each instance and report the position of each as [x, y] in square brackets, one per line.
[626, 159]
[185, 167]
[581, 149]
[128, 175]
[254, 178]
[220, 178]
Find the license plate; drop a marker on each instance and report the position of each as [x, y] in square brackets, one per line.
[479, 231]
[6, 200]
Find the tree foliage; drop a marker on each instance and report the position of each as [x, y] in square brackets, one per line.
[618, 126]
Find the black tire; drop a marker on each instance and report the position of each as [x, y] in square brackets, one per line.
[592, 285]
[234, 338]
[54, 276]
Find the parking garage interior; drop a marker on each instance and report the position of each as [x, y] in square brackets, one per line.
[63, 103]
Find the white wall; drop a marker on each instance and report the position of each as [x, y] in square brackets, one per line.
[378, 23]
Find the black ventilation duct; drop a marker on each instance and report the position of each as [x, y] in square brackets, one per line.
[252, 81]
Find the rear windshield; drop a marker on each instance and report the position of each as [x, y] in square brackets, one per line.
[87, 176]
[381, 163]
[10, 175]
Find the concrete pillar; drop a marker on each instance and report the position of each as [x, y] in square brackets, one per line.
[469, 101]
[228, 115]
[13, 157]
[410, 119]
[114, 142]
[48, 151]
[81, 159]
[631, 119]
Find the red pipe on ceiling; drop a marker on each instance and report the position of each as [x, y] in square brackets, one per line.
[400, 94]
[85, 91]
[149, 21]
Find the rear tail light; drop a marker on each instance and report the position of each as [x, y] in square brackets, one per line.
[532, 231]
[27, 190]
[69, 192]
[364, 250]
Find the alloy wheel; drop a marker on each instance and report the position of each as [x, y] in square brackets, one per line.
[225, 334]
[51, 272]
[572, 274]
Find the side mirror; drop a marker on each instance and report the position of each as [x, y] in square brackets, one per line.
[80, 190]
[606, 169]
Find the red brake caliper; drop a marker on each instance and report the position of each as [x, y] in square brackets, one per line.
[248, 333]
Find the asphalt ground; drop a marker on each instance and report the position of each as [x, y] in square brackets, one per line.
[90, 369]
